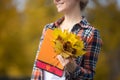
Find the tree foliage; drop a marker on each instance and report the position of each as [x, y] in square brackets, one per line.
[10, 40]
[20, 34]
[106, 19]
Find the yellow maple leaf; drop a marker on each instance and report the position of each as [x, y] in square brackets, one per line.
[68, 44]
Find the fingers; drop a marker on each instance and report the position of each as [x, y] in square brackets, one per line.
[69, 64]
[62, 60]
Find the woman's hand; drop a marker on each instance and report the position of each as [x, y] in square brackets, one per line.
[69, 64]
[62, 60]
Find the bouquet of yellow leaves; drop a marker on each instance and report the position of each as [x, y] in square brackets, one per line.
[67, 44]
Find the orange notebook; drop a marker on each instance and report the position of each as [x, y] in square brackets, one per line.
[47, 57]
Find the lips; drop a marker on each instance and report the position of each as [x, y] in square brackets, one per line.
[59, 3]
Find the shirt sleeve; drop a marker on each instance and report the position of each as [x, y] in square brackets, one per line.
[36, 72]
[86, 69]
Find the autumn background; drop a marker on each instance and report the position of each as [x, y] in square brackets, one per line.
[21, 23]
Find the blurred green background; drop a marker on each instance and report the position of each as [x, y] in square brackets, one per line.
[21, 23]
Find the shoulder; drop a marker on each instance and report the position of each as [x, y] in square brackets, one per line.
[90, 31]
[91, 34]
[50, 26]
[47, 26]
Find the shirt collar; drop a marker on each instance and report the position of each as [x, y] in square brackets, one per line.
[83, 23]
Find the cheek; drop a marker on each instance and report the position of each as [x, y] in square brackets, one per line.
[71, 3]
[68, 5]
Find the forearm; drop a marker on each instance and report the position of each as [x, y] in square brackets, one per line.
[86, 65]
[82, 73]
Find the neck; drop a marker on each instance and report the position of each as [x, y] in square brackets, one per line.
[73, 16]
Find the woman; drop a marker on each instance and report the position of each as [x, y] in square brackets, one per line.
[83, 68]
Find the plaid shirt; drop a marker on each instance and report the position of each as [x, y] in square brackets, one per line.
[86, 63]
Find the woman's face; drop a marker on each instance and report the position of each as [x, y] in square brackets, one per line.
[66, 5]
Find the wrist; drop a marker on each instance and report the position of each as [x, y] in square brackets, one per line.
[70, 67]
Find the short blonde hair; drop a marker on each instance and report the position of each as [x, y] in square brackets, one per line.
[83, 4]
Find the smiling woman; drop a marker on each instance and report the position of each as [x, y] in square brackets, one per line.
[77, 68]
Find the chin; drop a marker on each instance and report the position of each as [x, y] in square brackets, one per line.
[61, 10]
